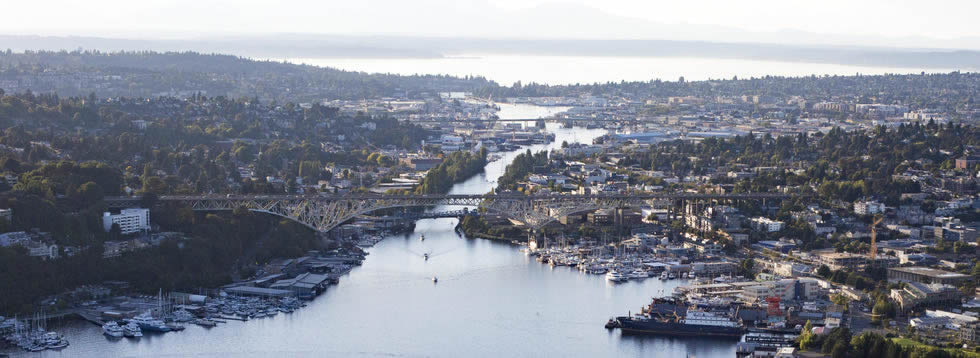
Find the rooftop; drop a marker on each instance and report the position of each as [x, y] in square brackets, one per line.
[931, 272]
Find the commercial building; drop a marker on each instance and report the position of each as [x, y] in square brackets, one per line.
[916, 295]
[967, 162]
[129, 220]
[841, 260]
[925, 275]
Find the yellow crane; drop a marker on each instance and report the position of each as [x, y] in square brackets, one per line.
[874, 233]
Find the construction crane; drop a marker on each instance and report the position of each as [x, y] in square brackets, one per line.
[874, 245]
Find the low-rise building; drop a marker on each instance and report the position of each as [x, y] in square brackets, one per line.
[925, 275]
[766, 224]
[841, 260]
[869, 207]
[916, 295]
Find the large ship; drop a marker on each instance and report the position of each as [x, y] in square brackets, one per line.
[671, 319]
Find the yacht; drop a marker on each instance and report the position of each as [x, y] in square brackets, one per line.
[146, 322]
[132, 330]
[615, 276]
[639, 274]
[54, 340]
[112, 329]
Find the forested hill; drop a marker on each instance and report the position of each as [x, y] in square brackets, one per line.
[148, 74]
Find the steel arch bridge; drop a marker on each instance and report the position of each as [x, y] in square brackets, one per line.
[325, 212]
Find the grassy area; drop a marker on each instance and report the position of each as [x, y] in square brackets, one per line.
[907, 342]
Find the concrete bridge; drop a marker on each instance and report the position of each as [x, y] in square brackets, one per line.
[325, 212]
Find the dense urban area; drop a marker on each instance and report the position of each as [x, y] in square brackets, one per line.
[856, 235]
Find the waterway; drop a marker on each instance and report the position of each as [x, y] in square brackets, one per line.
[491, 301]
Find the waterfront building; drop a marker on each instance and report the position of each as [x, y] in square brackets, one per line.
[130, 221]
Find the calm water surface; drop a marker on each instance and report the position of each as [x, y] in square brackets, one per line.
[490, 301]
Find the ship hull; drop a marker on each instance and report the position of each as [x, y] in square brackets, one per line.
[655, 328]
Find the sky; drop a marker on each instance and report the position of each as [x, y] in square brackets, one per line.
[898, 23]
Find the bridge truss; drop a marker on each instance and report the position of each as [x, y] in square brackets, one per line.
[325, 212]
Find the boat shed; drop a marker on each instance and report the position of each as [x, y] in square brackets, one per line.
[258, 291]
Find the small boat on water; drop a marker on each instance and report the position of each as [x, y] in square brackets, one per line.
[663, 275]
[435, 279]
[425, 256]
[422, 237]
[671, 276]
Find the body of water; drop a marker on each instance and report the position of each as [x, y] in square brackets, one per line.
[491, 301]
[507, 69]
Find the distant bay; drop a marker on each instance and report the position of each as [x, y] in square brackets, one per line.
[507, 69]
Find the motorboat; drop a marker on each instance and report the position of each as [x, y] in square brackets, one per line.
[112, 329]
[425, 256]
[639, 274]
[671, 276]
[663, 275]
[205, 322]
[435, 279]
[54, 340]
[132, 330]
[422, 237]
[615, 276]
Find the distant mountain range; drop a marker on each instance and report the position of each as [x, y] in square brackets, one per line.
[283, 46]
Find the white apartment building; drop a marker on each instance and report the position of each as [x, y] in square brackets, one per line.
[868, 207]
[766, 224]
[129, 220]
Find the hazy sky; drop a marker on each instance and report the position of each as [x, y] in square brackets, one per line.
[936, 23]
